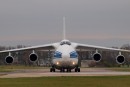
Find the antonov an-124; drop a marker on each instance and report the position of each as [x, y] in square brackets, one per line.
[65, 53]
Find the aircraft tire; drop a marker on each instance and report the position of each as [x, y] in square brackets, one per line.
[54, 70]
[50, 69]
[62, 70]
[69, 70]
[78, 69]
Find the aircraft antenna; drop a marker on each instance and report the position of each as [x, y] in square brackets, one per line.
[64, 29]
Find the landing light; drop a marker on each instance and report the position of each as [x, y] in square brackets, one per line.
[57, 63]
[73, 63]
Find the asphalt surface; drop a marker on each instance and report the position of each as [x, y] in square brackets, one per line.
[46, 73]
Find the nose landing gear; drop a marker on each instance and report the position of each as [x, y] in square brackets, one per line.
[63, 70]
[68, 70]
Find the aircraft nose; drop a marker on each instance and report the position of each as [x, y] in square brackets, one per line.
[65, 56]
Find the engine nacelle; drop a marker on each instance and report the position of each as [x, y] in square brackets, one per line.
[97, 57]
[120, 59]
[9, 59]
[33, 57]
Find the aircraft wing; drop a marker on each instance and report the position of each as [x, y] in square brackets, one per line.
[86, 46]
[40, 47]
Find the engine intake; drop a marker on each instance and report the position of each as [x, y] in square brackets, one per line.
[120, 59]
[97, 57]
[33, 57]
[9, 59]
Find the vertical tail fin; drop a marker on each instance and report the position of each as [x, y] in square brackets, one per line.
[64, 29]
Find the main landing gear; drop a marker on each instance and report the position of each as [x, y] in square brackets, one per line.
[52, 69]
[77, 69]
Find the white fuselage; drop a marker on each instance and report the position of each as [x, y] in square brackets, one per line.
[65, 61]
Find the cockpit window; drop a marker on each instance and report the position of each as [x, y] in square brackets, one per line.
[57, 54]
[65, 42]
[73, 54]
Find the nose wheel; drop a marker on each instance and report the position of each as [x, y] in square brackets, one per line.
[68, 70]
[63, 70]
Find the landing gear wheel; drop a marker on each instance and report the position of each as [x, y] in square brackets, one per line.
[77, 69]
[52, 69]
[62, 70]
[68, 70]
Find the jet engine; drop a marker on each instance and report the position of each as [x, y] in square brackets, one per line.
[9, 59]
[33, 57]
[120, 59]
[97, 57]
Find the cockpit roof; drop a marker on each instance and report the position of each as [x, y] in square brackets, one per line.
[63, 42]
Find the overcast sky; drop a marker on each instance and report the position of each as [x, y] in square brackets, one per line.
[36, 22]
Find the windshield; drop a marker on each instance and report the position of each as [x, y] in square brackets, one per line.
[65, 42]
[73, 54]
[57, 54]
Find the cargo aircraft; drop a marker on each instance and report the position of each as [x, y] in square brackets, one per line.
[65, 55]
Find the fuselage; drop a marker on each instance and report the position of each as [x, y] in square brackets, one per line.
[65, 56]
